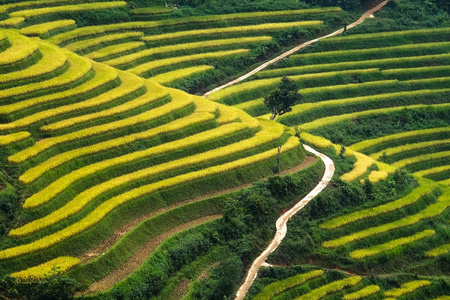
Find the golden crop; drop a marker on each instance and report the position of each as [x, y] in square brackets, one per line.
[103, 209]
[58, 265]
[145, 67]
[425, 187]
[43, 28]
[374, 250]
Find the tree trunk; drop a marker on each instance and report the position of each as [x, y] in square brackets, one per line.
[273, 116]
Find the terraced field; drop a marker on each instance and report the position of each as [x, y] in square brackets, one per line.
[132, 188]
[96, 147]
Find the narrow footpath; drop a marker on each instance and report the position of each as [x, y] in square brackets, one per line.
[366, 15]
[281, 223]
[329, 165]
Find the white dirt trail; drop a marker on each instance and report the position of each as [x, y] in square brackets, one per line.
[281, 223]
[367, 14]
[329, 165]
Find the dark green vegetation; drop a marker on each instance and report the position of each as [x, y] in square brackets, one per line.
[281, 99]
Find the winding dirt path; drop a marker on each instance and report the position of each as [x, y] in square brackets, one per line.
[282, 223]
[367, 14]
[329, 165]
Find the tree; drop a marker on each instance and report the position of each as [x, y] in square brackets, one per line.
[281, 99]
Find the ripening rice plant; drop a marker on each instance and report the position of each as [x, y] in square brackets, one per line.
[146, 67]
[408, 147]
[79, 67]
[83, 45]
[412, 160]
[13, 137]
[34, 173]
[364, 64]
[21, 48]
[27, 13]
[99, 80]
[166, 78]
[129, 84]
[364, 145]
[432, 171]
[378, 35]
[362, 293]
[91, 131]
[233, 29]
[268, 83]
[332, 287]
[230, 114]
[262, 137]
[85, 197]
[52, 59]
[103, 209]
[12, 22]
[316, 141]
[275, 288]
[135, 57]
[55, 266]
[43, 28]
[34, 3]
[104, 53]
[407, 288]
[376, 176]
[374, 250]
[318, 123]
[362, 164]
[154, 10]
[430, 211]
[425, 187]
[438, 251]
[362, 54]
[154, 93]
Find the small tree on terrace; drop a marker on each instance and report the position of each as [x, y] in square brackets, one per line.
[281, 99]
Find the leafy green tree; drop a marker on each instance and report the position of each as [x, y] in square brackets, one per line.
[281, 99]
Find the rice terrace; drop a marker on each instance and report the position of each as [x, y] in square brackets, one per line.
[225, 149]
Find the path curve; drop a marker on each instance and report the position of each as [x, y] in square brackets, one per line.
[281, 223]
[367, 14]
